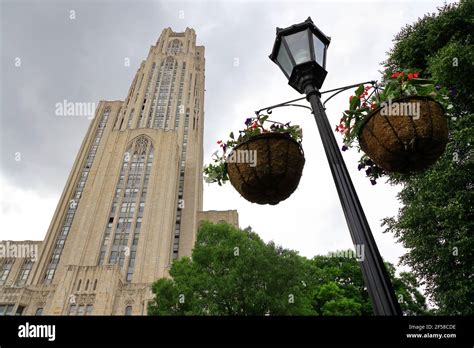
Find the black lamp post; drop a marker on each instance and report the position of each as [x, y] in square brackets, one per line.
[300, 52]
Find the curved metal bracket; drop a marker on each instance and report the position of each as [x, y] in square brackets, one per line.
[269, 109]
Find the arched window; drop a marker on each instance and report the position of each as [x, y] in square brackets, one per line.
[128, 310]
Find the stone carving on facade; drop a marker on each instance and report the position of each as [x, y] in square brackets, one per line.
[141, 145]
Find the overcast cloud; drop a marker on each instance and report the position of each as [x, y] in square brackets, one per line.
[82, 60]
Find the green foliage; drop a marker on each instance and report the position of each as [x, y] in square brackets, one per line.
[340, 276]
[436, 222]
[417, 42]
[216, 172]
[233, 272]
[451, 65]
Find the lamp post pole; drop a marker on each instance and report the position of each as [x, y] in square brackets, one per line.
[300, 52]
[374, 272]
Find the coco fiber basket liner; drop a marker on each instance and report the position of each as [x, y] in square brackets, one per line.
[405, 144]
[275, 174]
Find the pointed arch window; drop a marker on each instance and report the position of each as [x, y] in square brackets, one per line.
[123, 225]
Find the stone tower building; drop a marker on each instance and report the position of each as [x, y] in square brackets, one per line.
[133, 200]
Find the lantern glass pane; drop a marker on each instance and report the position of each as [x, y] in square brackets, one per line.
[284, 60]
[298, 44]
[319, 50]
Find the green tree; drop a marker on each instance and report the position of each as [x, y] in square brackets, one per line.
[351, 293]
[233, 272]
[341, 276]
[436, 221]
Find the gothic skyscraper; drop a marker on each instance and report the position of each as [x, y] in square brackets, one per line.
[133, 200]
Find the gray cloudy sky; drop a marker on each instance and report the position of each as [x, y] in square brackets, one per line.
[82, 60]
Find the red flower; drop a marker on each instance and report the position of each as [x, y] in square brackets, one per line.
[410, 76]
[415, 75]
[254, 125]
[219, 142]
[397, 74]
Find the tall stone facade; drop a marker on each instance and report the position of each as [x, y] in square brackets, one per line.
[132, 202]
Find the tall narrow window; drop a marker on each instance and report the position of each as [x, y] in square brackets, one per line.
[164, 96]
[72, 309]
[89, 309]
[6, 309]
[180, 198]
[128, 207]
[5, 270]
[25, 272]
[20, 310]
[143, 120]
[179, 104]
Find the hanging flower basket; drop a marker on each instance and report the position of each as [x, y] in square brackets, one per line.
[405, 143]
[400, 126]
[264, 164]
[276, 173]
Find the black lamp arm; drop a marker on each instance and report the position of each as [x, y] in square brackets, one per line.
[268, 109]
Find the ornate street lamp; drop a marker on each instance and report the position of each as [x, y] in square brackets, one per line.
[300, 52]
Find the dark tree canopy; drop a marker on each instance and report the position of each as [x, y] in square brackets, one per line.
[436, 221]
[233, 272]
